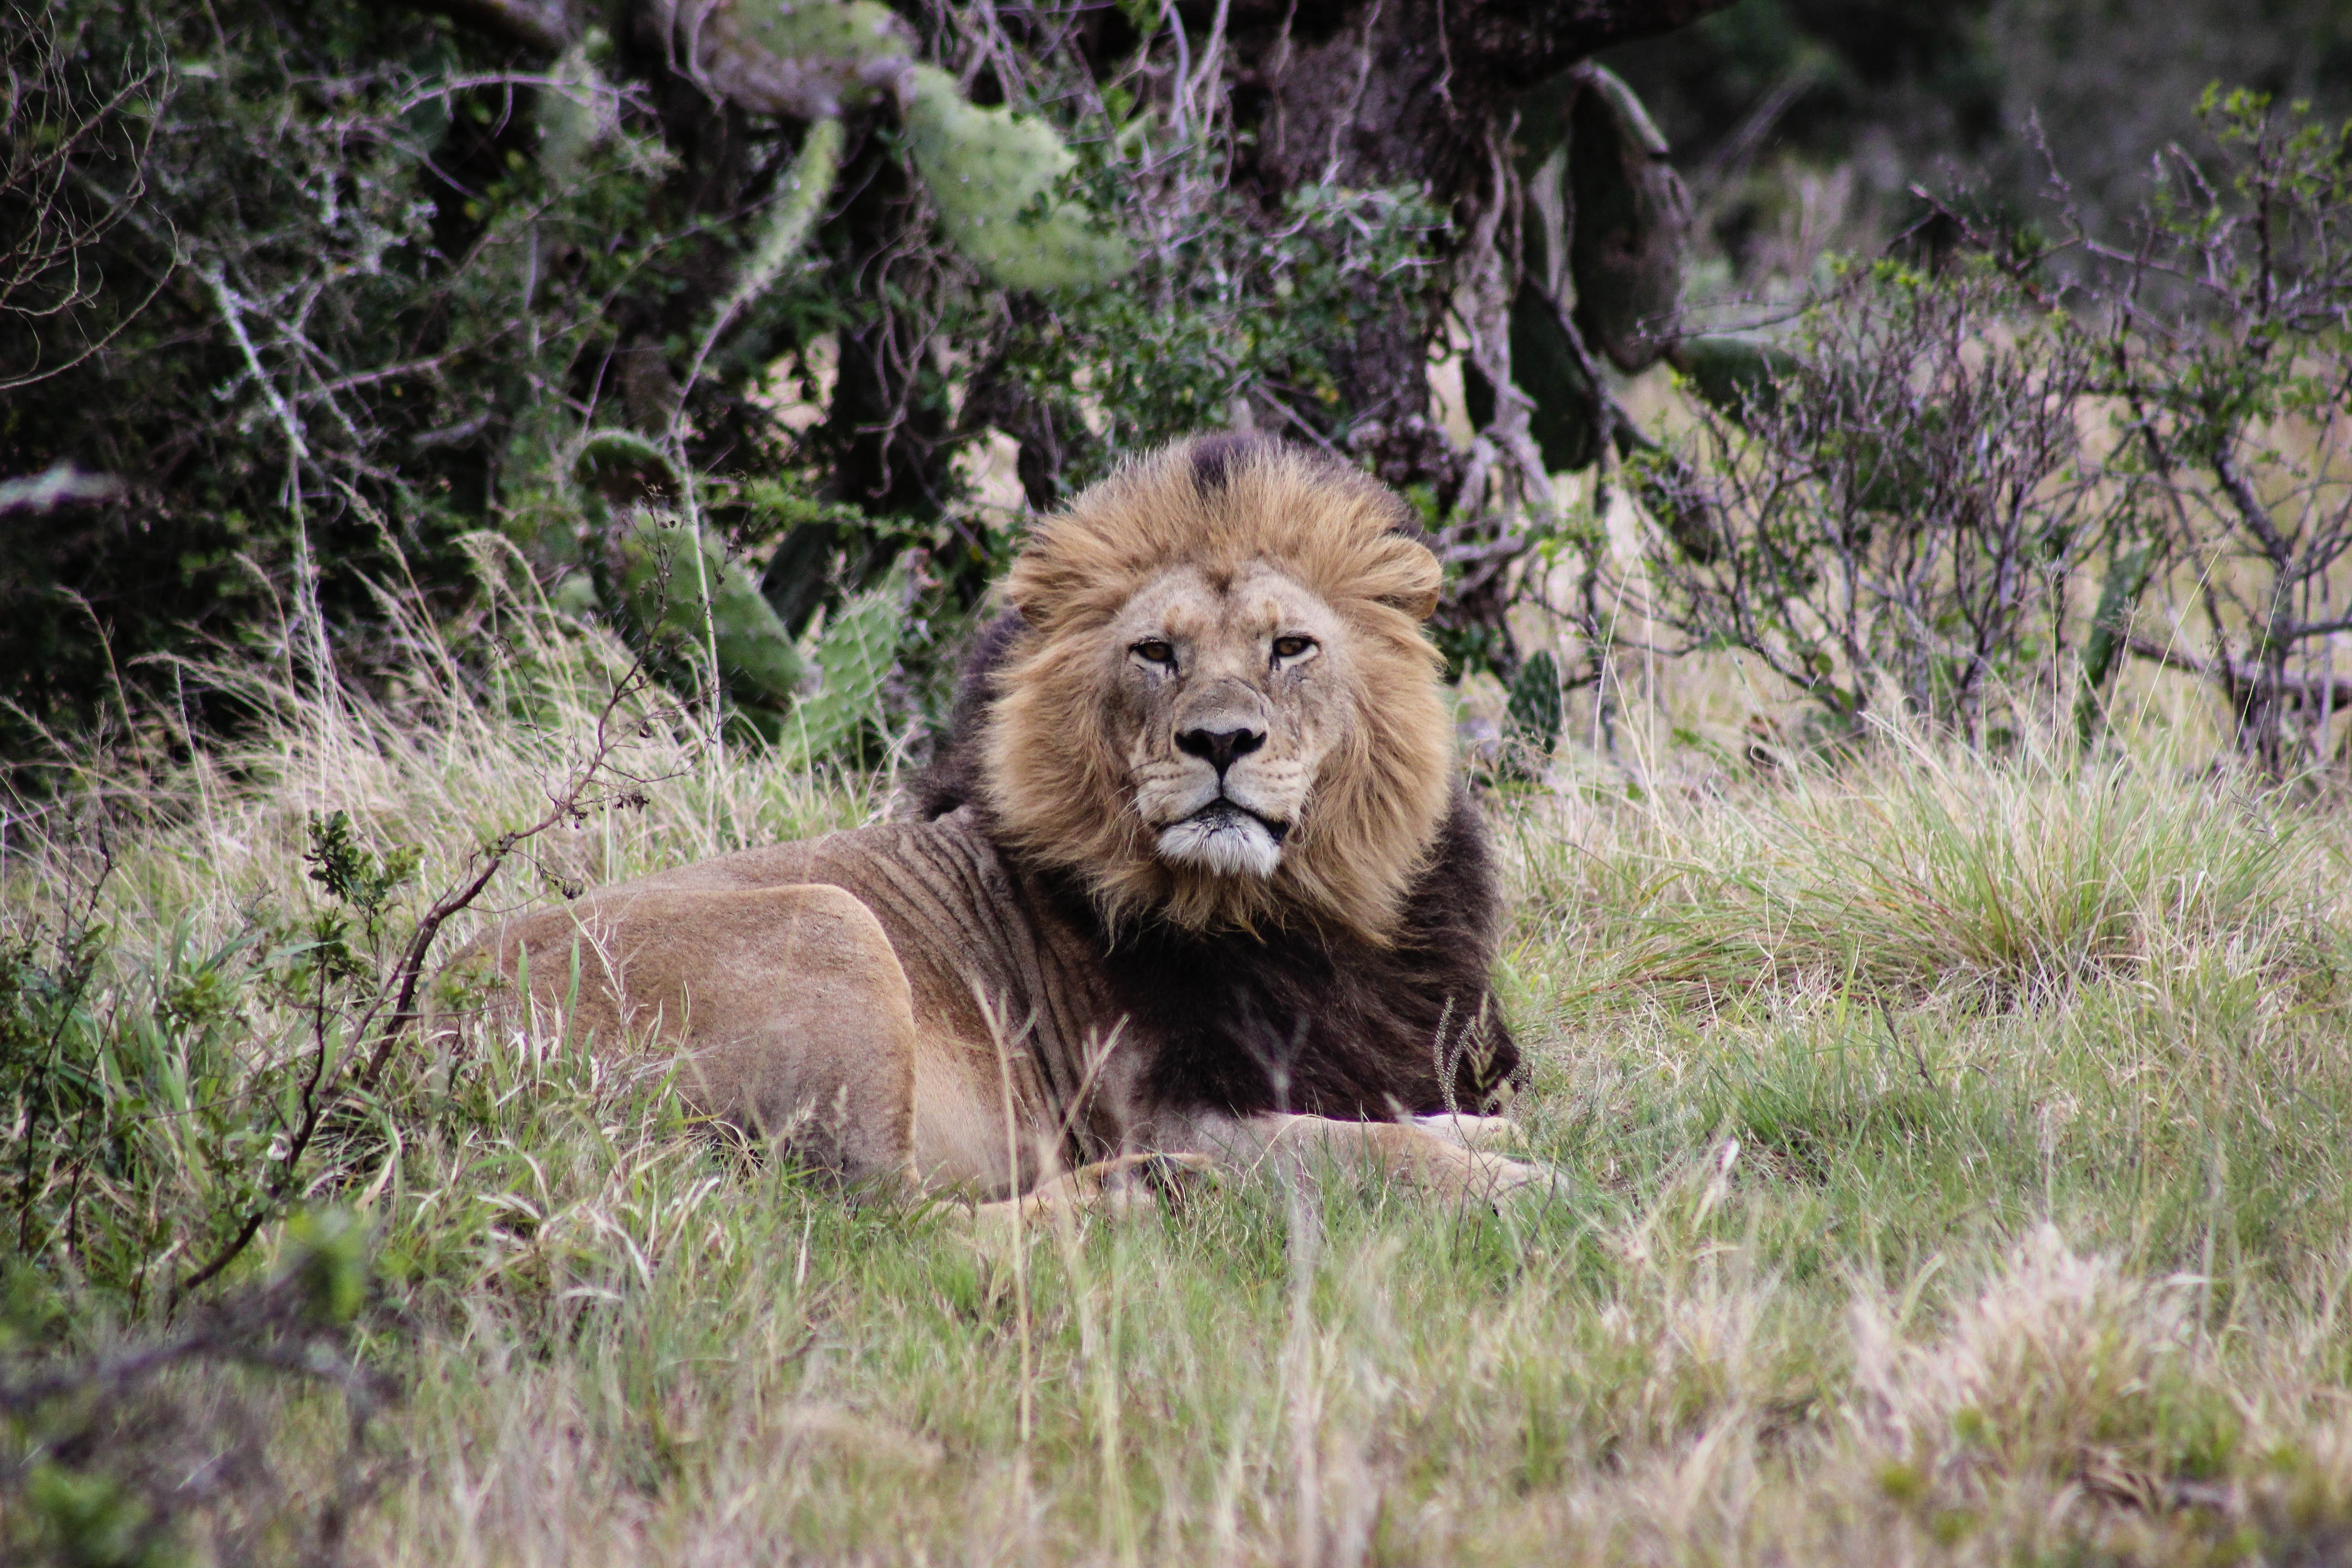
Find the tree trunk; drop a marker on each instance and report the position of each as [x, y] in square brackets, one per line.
[1403, 92]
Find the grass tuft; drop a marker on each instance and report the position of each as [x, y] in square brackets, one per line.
[1925, 868]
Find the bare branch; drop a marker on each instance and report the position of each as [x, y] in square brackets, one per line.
[395, 1001]
[2244, 675]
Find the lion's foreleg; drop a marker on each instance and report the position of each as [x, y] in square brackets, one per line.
[1444, 1160]
[1128, 1185]
[1471, 1131]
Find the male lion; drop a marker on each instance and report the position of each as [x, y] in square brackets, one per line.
[1193, 876]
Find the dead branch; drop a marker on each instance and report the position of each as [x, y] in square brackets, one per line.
[2243, 674]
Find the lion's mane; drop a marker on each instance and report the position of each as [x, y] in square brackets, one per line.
[1355, 982]
[1054, 781]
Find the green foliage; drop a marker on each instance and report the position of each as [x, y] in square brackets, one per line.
[1898, 490]
[331, 1268]
[1535, 707]
[1222, 315]
[115, 1456]
[1733, 375]
[1568, 422]
[2222, 328]
[92, 1520]
[855, 660]
[808, 58]
[353, 874]
[154, 1122]
[316, 185]
[361, 300]
[803, 189]
[2130, 567]
[681, 598]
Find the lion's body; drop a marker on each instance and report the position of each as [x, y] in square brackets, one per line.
[950, 933]
[1234, 903]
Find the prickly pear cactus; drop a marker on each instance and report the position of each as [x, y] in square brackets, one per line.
[1740, 377]
[622, 467]
[1537, 708]
[990, 174]
[991, 171]
[659, 589]
[809, 59]
[653, 574]
[1605, 226]
[1606, 221]
[854, 660]
[578, 110]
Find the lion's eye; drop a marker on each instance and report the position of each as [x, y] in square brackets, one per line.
[1153, 651]
[1291, 648]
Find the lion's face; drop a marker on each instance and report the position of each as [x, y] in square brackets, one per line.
[1224, 710]
[1227, 696]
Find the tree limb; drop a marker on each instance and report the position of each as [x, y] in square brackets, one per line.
[2250, 509]
[2237, 674]
[548, 27]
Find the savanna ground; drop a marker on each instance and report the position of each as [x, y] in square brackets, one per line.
[1954, 1153]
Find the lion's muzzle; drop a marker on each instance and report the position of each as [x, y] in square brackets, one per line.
[1216, 814]
[1225, 838]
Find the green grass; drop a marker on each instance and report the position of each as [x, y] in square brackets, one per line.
[1956, 1166]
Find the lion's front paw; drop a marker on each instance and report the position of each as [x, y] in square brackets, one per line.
[1471, 1131]
[1494, 1180]
[1127, 1185]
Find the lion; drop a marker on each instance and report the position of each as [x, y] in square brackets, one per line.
[1192, 881]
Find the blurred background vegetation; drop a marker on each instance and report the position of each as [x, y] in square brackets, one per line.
[1802, 124]
[740, 327]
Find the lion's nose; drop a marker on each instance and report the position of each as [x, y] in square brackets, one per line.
[1222, 748]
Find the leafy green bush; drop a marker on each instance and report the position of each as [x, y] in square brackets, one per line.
[301, 236]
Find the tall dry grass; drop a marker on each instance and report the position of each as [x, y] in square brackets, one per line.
[1955, 1168]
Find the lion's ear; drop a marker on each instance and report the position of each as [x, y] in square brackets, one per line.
[1410, 578]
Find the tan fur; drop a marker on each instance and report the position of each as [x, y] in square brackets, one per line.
[1058, 782]
[905, 1002]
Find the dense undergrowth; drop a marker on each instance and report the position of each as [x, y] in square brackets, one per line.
[1953, 1167]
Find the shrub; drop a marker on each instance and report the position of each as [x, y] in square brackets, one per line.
[1897, 513]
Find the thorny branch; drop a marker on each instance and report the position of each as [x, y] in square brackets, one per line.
[589, 787]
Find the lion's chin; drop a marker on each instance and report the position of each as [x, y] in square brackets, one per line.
[1224, 839]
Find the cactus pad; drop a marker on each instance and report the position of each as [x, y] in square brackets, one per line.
[1631, 219]
[991, 174]
[660, 595]
[809, 59]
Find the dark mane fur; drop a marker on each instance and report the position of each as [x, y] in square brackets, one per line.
[953, 777]
[1294, 1019]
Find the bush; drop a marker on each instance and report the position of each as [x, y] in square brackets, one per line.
[1898, 512]
[1896, 498]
